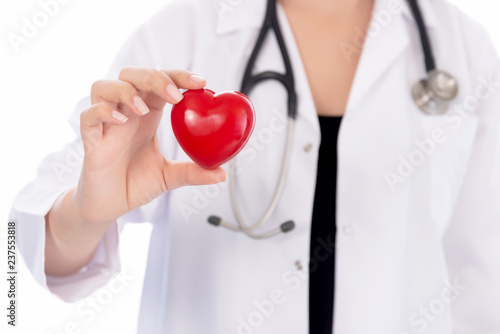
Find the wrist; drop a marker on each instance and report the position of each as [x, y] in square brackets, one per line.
[84, 212]
[66, 218]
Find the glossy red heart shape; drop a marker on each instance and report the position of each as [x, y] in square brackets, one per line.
[212, 128]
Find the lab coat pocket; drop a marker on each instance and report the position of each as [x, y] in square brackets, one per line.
[447, 143]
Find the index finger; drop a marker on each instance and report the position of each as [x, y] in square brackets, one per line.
[165, 84]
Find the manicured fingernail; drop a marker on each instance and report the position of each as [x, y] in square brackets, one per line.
[174, 93]
[196, 78]
[221, 177]
[139, 104]
[119, 116]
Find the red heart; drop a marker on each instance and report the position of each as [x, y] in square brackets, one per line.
[212, 128]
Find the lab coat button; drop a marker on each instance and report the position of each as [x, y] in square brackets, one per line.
[298, 264]
[308, 147]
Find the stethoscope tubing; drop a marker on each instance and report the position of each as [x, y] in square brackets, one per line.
[249, 230]
[422, 96]
[250, 81]
[430, 63]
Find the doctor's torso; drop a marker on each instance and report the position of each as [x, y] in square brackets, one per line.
[399, 178]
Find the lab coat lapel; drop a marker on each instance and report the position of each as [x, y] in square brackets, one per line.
[236, 15]
[306, 107]
[386, 40]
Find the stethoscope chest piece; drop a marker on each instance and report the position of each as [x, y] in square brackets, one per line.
[434, 94]
[443, 84]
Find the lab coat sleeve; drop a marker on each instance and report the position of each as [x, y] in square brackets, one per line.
[56, 174]
[60, 171]
[472, 242]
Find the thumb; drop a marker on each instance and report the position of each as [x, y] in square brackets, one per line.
[180, 174]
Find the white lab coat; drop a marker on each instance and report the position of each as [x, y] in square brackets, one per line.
[418, 241]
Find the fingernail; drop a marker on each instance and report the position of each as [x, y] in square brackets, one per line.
[196, 78]
[221, 177]
[119, 116]
[139, 104]
[174, 93]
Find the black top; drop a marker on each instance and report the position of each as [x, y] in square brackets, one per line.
[322, 252]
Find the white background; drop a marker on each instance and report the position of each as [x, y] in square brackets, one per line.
[39, 87]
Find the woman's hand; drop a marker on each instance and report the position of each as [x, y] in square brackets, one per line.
[123, 167]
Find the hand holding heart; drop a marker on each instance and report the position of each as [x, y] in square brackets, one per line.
[123, 166]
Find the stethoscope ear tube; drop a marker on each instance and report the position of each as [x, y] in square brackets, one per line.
[287, 226]
[250, 81]
[430, 64]
[217, 221]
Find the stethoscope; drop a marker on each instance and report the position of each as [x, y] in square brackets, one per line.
[432, 95]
